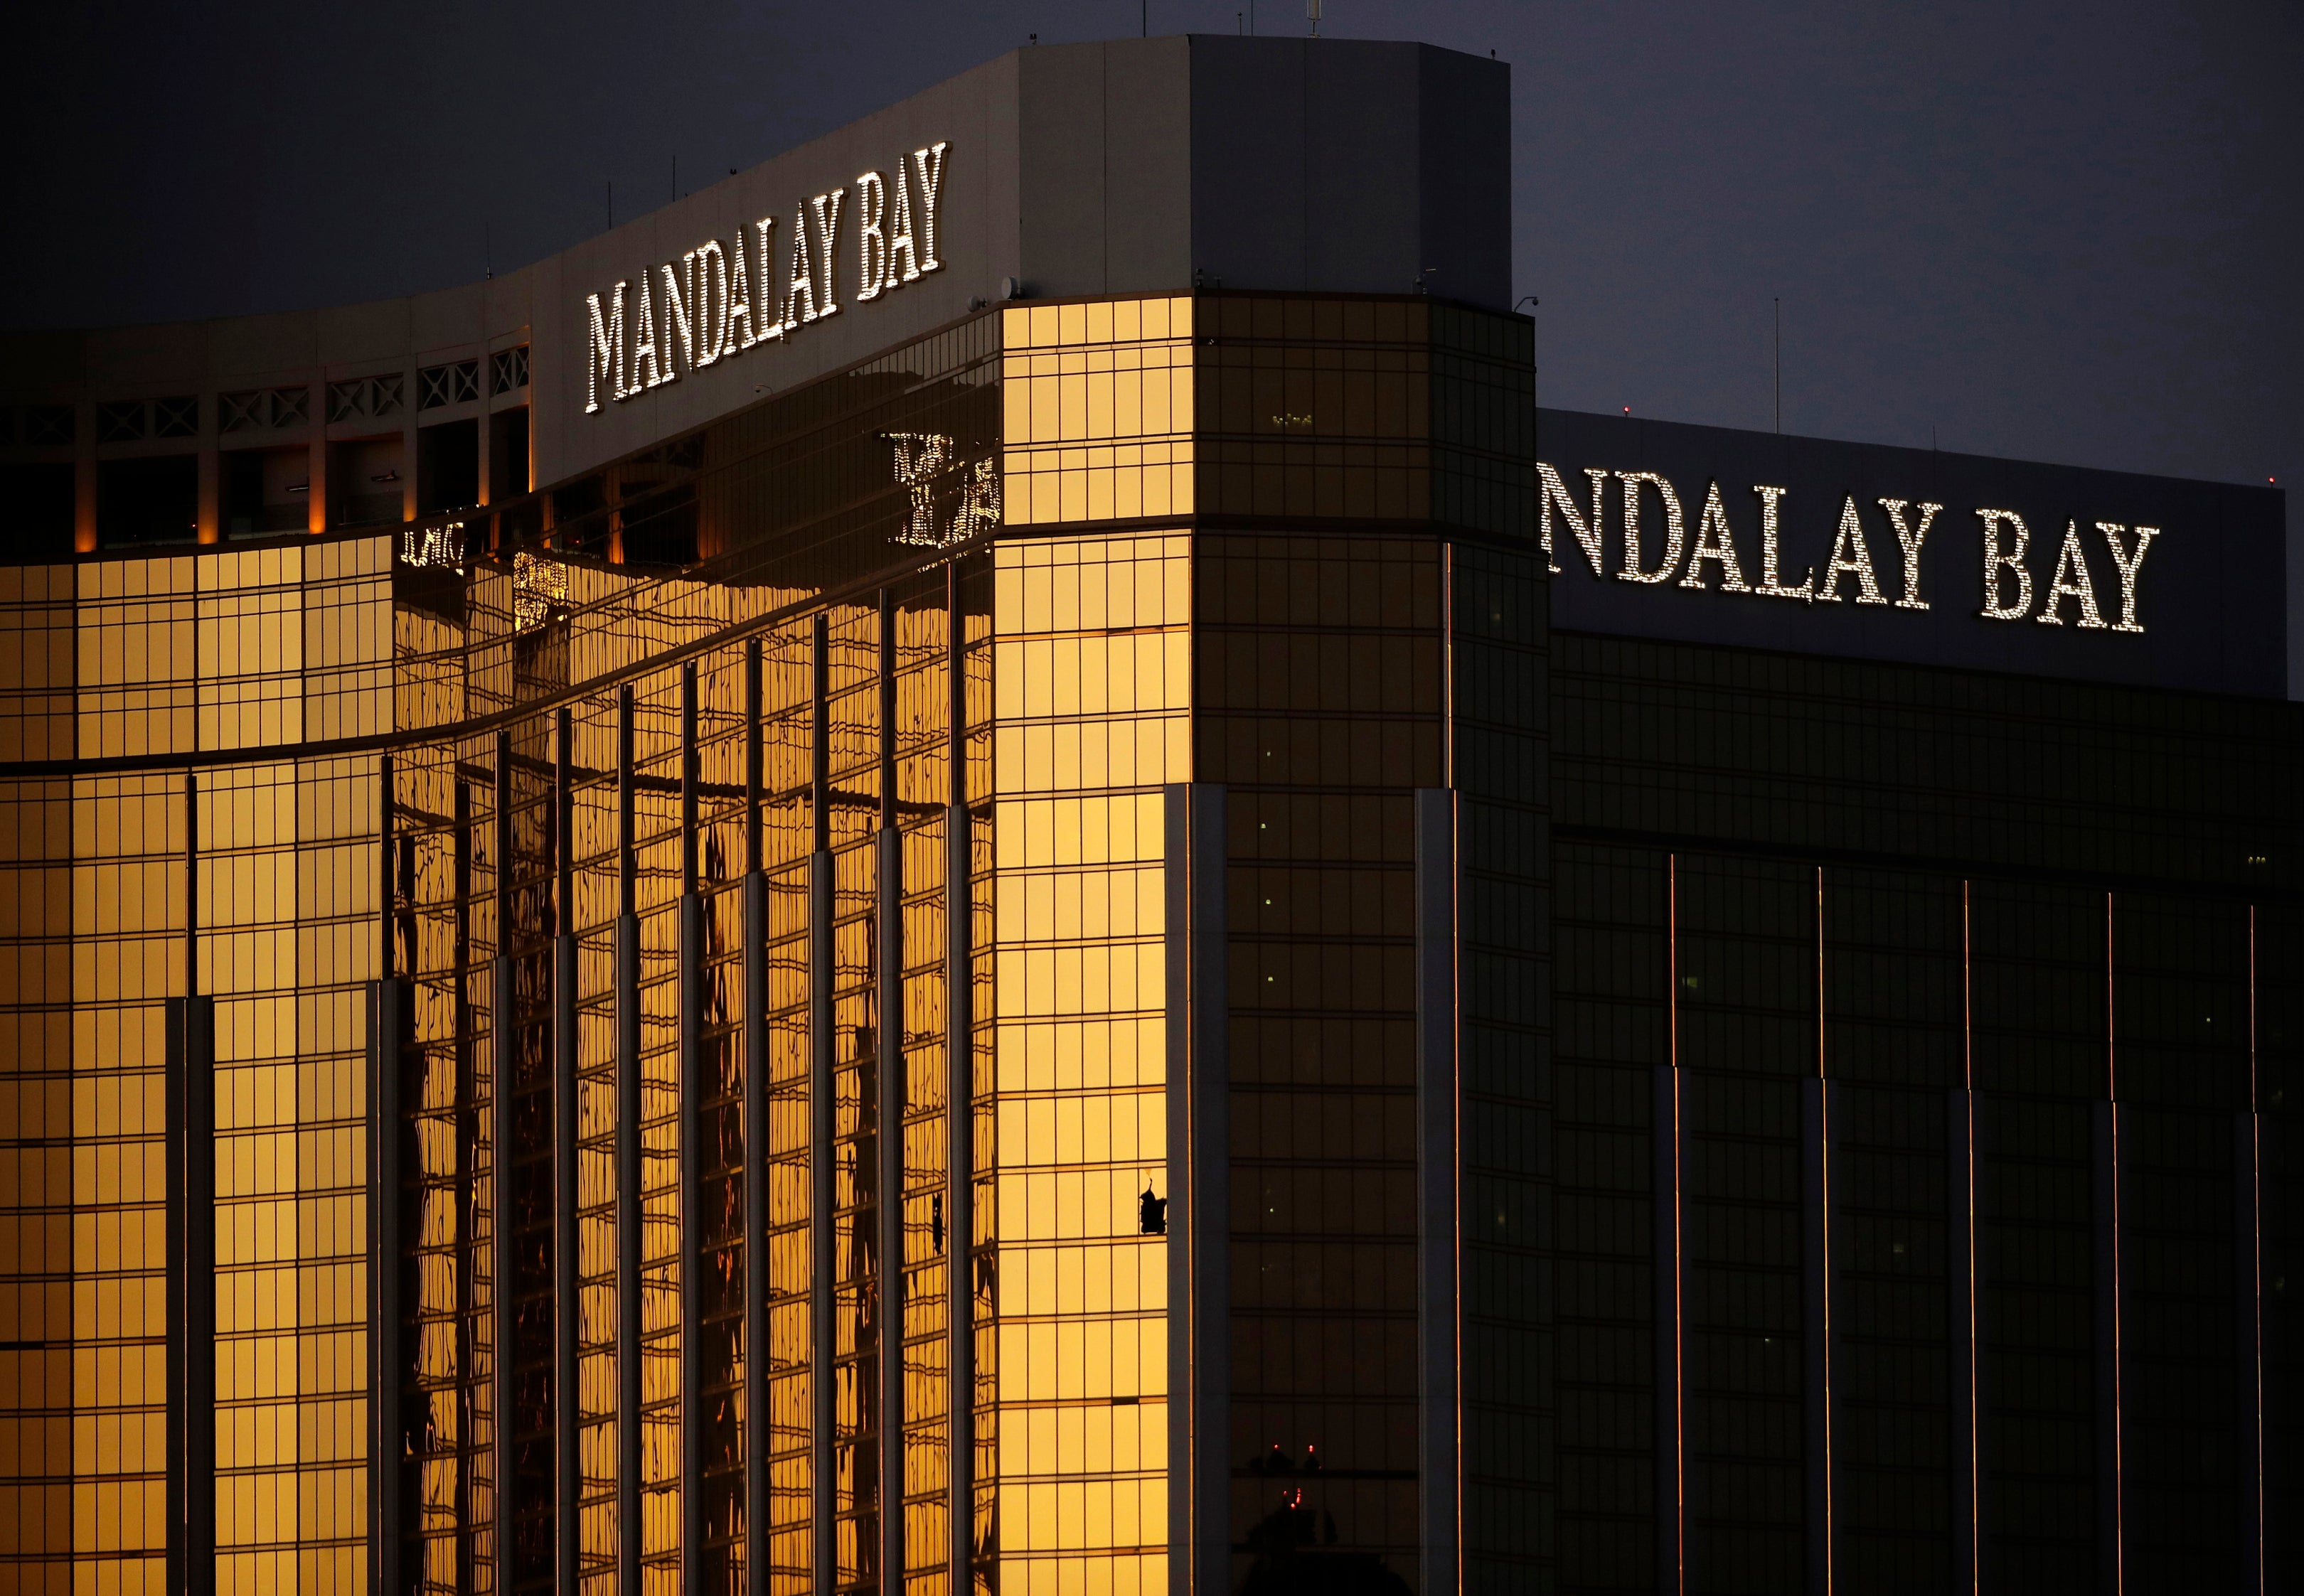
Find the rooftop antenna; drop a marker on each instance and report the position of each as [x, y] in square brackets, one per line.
[1144, 19]
[1780, 365]
[487, 252]
[1312, 10]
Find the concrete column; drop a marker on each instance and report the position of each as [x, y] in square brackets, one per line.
[411, 402]
[84, 477]
[484, 494]
[210, 512]
[315, 497]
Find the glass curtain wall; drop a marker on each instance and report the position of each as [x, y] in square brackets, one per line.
[563, 786]
[122, 659]
[1092, 701]
[190, 947]
[1367, 625]
[1964, 1182]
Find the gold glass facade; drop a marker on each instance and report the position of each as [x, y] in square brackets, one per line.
[1091, 672]
[681, 972]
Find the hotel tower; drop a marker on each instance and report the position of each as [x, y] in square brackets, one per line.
[973, 866]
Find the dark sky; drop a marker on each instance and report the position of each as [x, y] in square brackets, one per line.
[2064, 232]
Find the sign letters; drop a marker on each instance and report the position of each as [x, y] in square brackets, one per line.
[720, 299]
[2089, 583]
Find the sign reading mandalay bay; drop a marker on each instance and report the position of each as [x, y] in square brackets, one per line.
[1703, 534]
[1848, 571]
[725, 297]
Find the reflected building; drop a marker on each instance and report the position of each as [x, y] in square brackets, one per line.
[973, 865]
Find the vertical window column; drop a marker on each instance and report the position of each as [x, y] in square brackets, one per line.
[502, 1209]
[191, 1110]
[191, 1087]
[630, 1542]
[1199, 1210]
[1816, 1291]
[467, 1199]
[2248, 1305]
[567, 1468]
[2039, 996]
[757, 1436]
[959, 1111]
[1671, 1431]
[191, 1254]
[388, 1420]
[889, 1126]
[1961, 1272]
[1745, 1041]
[1438, 1227]
[690, 1143]
[822, 1125]
[2105, 1148]
[1816, 1326]
[1104, 988]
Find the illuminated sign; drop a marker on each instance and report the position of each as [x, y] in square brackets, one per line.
[2093, 587]
[721, 298]
[434, 545]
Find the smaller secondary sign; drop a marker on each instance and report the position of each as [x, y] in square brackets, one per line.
[721, 298]
[1702, 533]
[1848, 571]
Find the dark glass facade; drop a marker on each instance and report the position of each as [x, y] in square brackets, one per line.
[1926, 1037]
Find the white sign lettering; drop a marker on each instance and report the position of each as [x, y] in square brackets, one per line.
[720, 299]
[1850, 574]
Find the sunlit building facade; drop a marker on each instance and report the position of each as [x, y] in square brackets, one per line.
[1002, 880]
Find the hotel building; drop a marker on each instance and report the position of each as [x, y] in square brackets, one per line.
[973, 865]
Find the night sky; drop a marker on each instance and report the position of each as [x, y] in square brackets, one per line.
[2070, 233]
